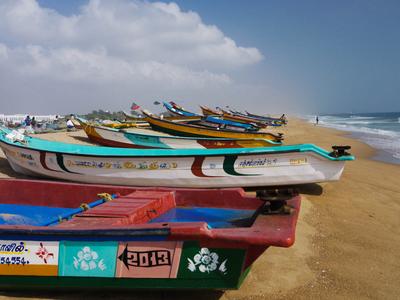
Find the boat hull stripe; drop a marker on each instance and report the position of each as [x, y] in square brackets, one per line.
[60, 162]
[229, 166]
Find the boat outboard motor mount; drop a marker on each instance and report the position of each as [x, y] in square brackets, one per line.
[275, 200]
[339, 151]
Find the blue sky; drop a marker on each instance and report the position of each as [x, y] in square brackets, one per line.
[312, 57]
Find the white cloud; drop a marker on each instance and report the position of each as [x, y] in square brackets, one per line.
[132, 44]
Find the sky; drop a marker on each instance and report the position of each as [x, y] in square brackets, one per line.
[305, 57]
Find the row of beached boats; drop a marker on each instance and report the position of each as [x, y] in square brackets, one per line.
[188, 225]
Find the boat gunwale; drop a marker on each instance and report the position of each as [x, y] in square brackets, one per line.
[228, 151]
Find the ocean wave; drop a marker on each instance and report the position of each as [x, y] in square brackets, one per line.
[362, 117]
[355, 122]
[386, 140]
[380, 132]
[362, 129]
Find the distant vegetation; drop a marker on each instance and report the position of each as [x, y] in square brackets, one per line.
[105, 115]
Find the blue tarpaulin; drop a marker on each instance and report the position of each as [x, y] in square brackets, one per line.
[214, 217]
[13, 214]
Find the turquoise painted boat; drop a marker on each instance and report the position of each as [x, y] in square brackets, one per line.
[57, 235]
[196, 168]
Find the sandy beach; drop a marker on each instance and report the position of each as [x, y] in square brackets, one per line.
[348, 234]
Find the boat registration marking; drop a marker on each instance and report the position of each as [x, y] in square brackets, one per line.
[298, 161]
[28, 257]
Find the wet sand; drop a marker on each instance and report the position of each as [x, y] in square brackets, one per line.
[348, 235]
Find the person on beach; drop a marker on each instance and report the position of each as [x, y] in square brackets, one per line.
[27, 121]
[283, 118]
[316, 120]
[70, 125]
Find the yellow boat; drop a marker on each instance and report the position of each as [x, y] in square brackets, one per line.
[182, 129]
[127, 125]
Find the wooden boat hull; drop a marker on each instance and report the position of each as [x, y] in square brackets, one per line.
[129, 139]
[197, 168]
[178, 111]
[259, 121]
[127, 125]
[170, 118]
[228, 116]
[77, 125]
[268, 119]
[210, 121]
[116, 250]
[209, 112]
[198, 131]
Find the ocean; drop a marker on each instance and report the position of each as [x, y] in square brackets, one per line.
[379, 130]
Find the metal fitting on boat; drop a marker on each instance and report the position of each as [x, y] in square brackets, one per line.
[276, 194]
[339, 151]
[84, 206]
[105, 196]
[275, 200]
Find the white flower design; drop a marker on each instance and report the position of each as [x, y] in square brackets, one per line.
[206, 261]
[87, 260]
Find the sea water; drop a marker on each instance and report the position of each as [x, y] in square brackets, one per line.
[379, 130]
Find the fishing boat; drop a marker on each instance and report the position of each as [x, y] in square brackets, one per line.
[138, 138]
[193, 130]
[178, 110]
[171, 118]
[210, 112]
[233, 118]
[242, 119]
[282, 119]
[122, 125]
[209, 121]
[196, 168]
[270, 120]
[63, 235]
[266, 120]
[76, 124]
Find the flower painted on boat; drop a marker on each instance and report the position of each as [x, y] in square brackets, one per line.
[206, 261]
[88, 260]
[154, 165]
[43, 253]
[129, 165]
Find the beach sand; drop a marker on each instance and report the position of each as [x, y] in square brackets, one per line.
[347, 241]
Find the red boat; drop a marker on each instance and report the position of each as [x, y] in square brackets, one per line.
[59, 235]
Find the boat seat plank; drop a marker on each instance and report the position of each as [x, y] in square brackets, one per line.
[136, 208]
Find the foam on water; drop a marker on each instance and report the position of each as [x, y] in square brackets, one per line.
[381, 131]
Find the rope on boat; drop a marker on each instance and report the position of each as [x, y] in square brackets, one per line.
[105, 196]
[84, 206]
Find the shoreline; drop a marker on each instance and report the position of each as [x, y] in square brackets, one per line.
[381, 155]
[347, 240]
